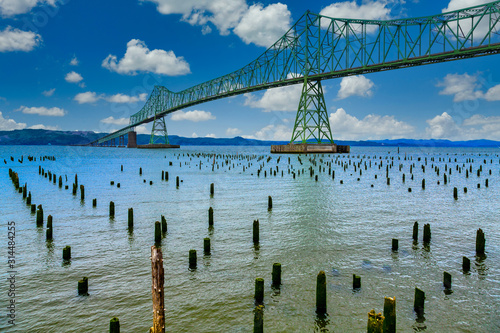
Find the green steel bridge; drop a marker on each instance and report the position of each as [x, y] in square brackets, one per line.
[318, 47]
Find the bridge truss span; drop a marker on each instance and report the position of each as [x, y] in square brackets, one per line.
[318, 47]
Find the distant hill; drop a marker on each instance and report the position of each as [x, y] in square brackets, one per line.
[38, 137]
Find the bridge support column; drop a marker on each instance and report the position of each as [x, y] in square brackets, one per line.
[311, 124]
[132, 139]
[159, 132]
[121, 141]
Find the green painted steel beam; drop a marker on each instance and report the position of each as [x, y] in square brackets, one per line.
[319, 47]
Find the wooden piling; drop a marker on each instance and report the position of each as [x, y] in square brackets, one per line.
[321, 293]
[140, 171]
[465, 264]
[418, 304]
[157, 290]
[82, 192]
[276, 275]
[210, 217]
[259, 290]
[83, 286]
[111, 209]
[389, 325]
[206, 246]
[269, 203]
[60, 181]
[163, 225]
[177, 181]
[356, 281]
[447, 280]
[130, 218]
[39, 216]
[480, 242]
[212, 189]
[256, 231]
[415, 231]
[258, 319]
[94, 202]
[114, 324]
[192, 259]
[67, 252]
[375, 322]
[157, 233]
[455, 193]
[427, 233]
[49, 228]
[395, 244]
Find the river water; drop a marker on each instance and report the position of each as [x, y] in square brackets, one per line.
[341, 228]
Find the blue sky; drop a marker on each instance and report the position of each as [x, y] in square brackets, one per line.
[89, 65]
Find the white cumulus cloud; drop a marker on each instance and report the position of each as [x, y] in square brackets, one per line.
[347, 127]
[122, 98]
[73, 77]
[253, 24]
[87, 97]
[194, 116]
[355, 86]
[18, 40]
[49, 93]
[463, 87]
[210, 135]
[117, 121]
[10, 8]
[493, 94]
[264, 26]
[368, 10]
[139, 58]
[74, 61]
[232, 132]
[276, 99]
[10, 124]
[45, 127]
[476, 127]
[43, 111]
[272, 133]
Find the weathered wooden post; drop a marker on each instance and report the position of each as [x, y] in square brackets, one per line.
[465, 264]
[269, 203]
[28, 199]
[177, 181]
[258, 319]
[395, 244]
[82, 192]
[375, 322]
[206, 246]
[480, 242]
[418, 304]
[130, 218]
[447, 280]
[33, 208]
[427, 233]
[192, 259]
[356, 281]
[415, 231]
[157, 233]
[276, 275]
[83, 286]
[94, 202]
[60, 181]
[140, 171]
[212, 189]
[389, 325]
[39, 216]
[321, 293]
[210, 217]
[114, 324]
[67, 253]
[111, 209]
[49, 228]
[259, 290]
[256, 231]
[455, 193]
[157, 291]
[163, 225]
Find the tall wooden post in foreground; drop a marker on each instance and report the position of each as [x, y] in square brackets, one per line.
[157, 290]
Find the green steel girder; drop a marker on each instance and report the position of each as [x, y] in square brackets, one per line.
[319, 47]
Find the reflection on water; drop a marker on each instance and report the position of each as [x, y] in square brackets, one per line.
[341, 228]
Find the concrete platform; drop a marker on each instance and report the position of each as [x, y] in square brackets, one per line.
[310, 148]
[157, 146]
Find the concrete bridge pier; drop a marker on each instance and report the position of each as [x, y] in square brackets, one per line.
[132, 139]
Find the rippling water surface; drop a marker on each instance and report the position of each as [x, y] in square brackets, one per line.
[343, 229]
